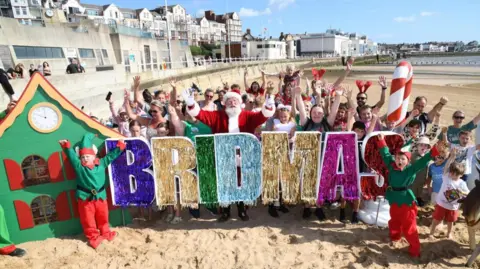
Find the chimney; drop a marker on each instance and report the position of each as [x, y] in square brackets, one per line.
[270, 37]
[248, 31]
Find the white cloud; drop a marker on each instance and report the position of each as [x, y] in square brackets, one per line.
[248, 12]
[427, 13]
[404, 19]
[281, 4]
[280, 21]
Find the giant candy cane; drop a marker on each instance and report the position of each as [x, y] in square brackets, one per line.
[400, 92]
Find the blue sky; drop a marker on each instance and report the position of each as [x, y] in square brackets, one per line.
[384, 21]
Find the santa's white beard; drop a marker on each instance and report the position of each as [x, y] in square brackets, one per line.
[233, 111]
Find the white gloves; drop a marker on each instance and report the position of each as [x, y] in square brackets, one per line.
[270, 102]
[188, 97]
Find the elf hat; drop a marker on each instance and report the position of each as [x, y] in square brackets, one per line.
[86, 145]
[233, 94]
[406, 153]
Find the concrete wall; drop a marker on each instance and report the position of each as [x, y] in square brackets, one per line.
[55, 35]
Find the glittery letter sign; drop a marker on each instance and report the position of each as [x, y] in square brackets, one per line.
[174, 158]
[131, 180]
[239, 168]
[373, 159]
[207, 174]
[339, 167]
[291, 170]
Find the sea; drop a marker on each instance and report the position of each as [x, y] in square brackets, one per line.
[446, 60]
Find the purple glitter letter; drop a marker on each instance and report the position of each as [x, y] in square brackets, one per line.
[339, 167]
[131, 180]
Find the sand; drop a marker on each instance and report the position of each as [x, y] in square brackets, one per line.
[265, 242]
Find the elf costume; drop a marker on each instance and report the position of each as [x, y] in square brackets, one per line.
[91, 195]
[6, 246]
[403, 208]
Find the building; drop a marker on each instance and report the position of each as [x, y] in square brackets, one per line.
[263, 49]
[28, 12]
[6, 8]
[38, 185]
[335, 43]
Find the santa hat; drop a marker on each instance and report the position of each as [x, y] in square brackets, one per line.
[363, 85]
[233, 94]
[406, 153]
[87, 146]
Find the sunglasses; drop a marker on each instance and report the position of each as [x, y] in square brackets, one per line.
[459, 117]
[361, 98]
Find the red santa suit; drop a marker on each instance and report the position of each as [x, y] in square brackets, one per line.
[220, 122]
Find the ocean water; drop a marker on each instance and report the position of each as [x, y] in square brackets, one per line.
[447, 60]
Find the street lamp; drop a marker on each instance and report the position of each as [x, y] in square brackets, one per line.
[169, 36]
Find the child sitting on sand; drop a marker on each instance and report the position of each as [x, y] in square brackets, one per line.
[453, 189]
[403, 209]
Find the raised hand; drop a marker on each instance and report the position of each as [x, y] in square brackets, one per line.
[444, 100]
[126, 96]
[173, 82]
[381, 136]
[350, 63]
[136, 82]
[382, 80]
[415, 112]
[270, 102]
[375, 111]
[171, 110]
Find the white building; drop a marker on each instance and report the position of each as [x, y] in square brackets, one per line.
[263, 49]
[27, 12]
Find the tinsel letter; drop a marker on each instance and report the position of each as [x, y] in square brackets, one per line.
[373, 159]
[174, 157]
[339, 167]
[293, 171]
[242, 183]
[131, 180]
[207, 174]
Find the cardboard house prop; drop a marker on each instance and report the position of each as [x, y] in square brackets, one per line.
[37, 182]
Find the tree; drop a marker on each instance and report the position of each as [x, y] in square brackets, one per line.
[196, 50]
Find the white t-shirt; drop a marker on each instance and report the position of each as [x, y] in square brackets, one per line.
[450, 192]
[465, 156]
[283, 127]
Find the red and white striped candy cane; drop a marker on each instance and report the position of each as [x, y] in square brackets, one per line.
[400, 92]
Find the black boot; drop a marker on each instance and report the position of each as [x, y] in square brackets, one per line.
[225, 214]
[242, 212]
[18, 252]
[195, 212]
[342, 215]
[283, 209]
[355, 217]
[320, 215]
[306, 213]
[272, 211]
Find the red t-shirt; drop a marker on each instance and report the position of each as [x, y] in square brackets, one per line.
[260, 91]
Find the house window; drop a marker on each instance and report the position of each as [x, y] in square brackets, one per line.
[43, 210]
[92, 12]
[24, 52]
[24, 10]
[35, 171]
[126, 61]
[17, 11]
[116, 14]
[86, 53]
[155, 60]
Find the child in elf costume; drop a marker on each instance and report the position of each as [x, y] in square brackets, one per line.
[91, 181]
[403, 208]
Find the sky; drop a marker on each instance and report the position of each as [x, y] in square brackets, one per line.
[387, 21]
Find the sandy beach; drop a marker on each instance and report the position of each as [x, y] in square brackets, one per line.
[287, 242]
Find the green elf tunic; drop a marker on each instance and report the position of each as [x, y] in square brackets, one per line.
[398, 191]
[91, 181]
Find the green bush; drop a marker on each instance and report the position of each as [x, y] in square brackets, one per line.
[196, 50]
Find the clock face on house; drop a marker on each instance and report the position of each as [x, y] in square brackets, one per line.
[44, 118]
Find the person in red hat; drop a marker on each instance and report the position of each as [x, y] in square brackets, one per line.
[91, 181]
[403, 208]
[233, 119]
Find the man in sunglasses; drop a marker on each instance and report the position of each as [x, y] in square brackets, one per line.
[208, 104]
[453, 131]
[362, 96]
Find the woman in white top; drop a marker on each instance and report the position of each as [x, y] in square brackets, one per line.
[208, 104]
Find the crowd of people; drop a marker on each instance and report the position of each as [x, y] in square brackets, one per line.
[297, 105]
